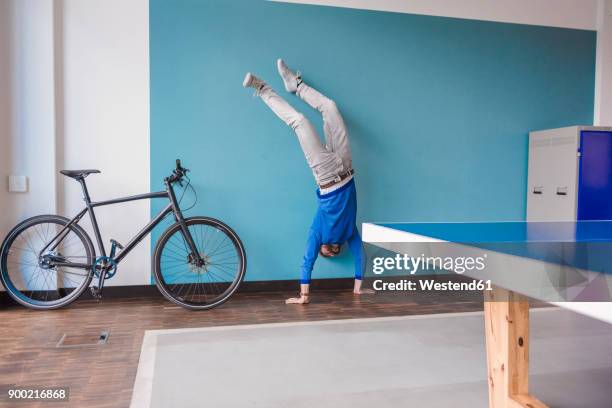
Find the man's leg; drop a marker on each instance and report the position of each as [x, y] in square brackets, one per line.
[311, 145]
[336, 134]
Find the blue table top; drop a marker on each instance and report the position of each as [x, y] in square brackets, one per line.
[583, 244]
[491, 232]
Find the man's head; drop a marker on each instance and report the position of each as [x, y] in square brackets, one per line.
[329, 250]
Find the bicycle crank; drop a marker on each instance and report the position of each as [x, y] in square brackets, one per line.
[106, 264]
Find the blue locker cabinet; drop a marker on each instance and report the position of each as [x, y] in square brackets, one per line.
[570, 174]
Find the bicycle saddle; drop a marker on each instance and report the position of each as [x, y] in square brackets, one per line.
[78, 174]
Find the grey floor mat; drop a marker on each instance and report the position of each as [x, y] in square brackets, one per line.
[426, 362]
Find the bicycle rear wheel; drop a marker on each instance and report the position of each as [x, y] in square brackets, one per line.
[195, 287]
[29, 274]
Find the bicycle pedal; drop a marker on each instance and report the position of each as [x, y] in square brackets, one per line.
[96, 293]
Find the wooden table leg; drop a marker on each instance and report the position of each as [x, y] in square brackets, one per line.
[507, 339]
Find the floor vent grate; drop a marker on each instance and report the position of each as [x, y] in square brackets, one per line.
[83, 339]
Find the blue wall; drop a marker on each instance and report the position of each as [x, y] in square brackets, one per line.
[438, 109]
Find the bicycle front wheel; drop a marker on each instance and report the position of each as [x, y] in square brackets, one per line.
[193, 286]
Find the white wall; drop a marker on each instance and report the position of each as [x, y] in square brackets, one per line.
[27, 115]
[6, 208]
[106, 118]
[556, 13]
[74, 93]
[603, 82]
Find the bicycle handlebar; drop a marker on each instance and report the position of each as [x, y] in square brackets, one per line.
[178, 164]
[177, 174]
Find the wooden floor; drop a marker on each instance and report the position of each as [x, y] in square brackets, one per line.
[103, 376]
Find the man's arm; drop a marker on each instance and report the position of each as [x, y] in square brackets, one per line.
[356, 247]
[312, 252]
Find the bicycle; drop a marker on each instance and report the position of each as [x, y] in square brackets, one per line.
[48, 261]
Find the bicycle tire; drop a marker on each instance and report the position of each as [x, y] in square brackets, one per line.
[166, 287]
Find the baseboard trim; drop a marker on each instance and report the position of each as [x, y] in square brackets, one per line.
[139, 291]
[245, 287]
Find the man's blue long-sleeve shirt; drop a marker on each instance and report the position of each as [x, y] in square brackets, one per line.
[334, 223]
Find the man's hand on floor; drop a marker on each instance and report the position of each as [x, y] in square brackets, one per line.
[363, 292]
[298, 300]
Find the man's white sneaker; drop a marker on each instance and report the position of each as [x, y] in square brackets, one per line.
[251, 81]
[290, 78]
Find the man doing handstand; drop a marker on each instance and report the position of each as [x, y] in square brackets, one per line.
[334, 222]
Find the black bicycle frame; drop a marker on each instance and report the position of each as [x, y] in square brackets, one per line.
[172, 207]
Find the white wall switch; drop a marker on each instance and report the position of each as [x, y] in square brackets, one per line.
[18, 184]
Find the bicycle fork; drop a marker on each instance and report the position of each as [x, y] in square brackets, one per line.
[195, 256]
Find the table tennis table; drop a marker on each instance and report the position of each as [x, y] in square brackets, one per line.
[568, 264]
